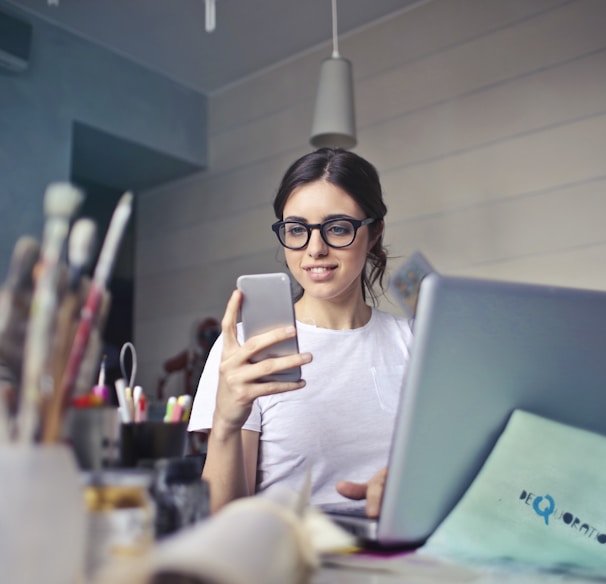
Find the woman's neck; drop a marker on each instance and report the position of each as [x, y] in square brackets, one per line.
[333, 314]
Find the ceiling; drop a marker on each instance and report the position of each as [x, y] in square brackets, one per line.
[168, 36]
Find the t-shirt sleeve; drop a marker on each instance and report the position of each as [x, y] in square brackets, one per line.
[203, 408]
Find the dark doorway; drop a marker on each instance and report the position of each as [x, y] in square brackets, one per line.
[105, 166]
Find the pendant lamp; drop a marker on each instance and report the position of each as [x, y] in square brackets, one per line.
[334, 122]
[209, 15]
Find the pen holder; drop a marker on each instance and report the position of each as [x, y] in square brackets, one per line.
[95, 436]
[42, 519]
[143, 442]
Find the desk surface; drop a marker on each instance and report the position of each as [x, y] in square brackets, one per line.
[343, 575]
[346, 576]
[122, 573]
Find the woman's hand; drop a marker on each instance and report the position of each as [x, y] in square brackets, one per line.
[238, 385]
[372, 491]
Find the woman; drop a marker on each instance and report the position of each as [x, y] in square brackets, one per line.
[337, 422]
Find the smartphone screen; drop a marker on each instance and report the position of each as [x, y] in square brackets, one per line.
[267, 304]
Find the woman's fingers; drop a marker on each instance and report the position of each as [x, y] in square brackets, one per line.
[229, 321]
[372, 491]
[262, 341]
[237, 392]
[241, 355]
[255, 344]
[275, 365]
[244, 380]
[351, 490]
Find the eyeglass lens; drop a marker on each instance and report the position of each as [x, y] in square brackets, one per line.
[336, 232]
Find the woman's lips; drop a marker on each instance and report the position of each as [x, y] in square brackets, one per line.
[319, 273]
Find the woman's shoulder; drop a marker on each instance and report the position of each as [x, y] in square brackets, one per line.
[389, 318]
[392, 322]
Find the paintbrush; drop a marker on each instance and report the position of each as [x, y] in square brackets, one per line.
[25, 255]
[15, 297]
[80, 253]
[61, 201]
[97, 288]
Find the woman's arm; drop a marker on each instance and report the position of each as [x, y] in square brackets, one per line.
[231, 460]
[231, 466]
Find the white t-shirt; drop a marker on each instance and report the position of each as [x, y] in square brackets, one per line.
[340, 424]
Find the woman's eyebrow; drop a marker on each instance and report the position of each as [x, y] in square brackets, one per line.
[325, 218]
[338, 216]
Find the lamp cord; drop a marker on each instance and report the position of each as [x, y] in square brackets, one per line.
[335, 40]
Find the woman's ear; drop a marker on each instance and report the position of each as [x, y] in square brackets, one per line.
[378, 227]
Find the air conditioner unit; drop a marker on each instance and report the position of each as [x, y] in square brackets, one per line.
[15, 43]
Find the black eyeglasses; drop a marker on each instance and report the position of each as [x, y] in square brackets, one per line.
[335, 233]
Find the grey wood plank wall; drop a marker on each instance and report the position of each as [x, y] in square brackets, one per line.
[485, 118]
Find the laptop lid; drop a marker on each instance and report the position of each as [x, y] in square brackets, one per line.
[483, 348]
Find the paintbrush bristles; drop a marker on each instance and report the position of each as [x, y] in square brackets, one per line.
[113, 237]
[62, 200]
[81, 243]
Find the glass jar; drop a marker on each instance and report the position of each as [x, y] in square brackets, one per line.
[120, 515]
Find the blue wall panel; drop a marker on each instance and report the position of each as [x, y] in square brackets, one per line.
[72, 80]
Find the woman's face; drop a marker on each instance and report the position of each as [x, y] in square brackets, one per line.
[322, 271]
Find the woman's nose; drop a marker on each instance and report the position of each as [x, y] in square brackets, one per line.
[317, 246]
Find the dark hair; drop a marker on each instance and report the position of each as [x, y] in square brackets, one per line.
[358, 178]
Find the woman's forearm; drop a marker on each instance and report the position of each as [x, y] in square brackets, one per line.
[229, 458]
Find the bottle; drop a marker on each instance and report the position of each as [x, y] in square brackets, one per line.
[181, 495]
[120, 515]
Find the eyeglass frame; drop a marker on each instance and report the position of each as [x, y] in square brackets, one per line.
[356, 223]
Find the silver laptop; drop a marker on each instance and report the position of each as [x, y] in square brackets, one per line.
[483, 348]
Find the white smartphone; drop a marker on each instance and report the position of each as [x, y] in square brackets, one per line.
[267, 304]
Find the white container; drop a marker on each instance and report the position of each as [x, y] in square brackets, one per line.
[42, 520]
